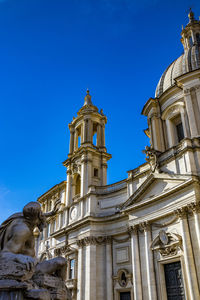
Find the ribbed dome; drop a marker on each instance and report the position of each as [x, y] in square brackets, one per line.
[187, 62]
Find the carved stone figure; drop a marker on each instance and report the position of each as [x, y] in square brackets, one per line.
[152, 158]
[22, 276]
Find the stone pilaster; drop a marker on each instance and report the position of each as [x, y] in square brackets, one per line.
[193, 289]
[90, 270]
[197, 90]
[137, 284]
[80, 278]
[109, 283]
[145, 226]
[195, 208]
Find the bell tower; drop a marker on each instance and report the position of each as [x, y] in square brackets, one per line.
[87, 159]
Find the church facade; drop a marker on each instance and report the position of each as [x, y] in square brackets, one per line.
[137, 239]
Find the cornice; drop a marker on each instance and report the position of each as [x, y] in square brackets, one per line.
[138, 205]
[152, 102]
[85, 150]
[89, 220]
[56, 188]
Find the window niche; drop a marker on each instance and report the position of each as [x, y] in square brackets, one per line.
[72, 269]
[174, 116]
[77, 185]
[178, 126]
[96, 171]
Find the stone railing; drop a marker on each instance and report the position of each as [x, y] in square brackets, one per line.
[101, 190]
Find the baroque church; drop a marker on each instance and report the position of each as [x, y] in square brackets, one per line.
[137, 239]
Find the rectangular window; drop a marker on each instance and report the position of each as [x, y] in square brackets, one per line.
[95, 172]
[125, 296]
[71, 270]
[179, 131]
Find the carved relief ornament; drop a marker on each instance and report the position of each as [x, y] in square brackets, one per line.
[167, 244]
[123, 278]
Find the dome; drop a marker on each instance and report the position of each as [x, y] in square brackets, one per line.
[187, 62]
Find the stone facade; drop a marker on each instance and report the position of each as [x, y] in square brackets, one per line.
[123, 240]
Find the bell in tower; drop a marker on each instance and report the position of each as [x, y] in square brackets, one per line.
[87, 160]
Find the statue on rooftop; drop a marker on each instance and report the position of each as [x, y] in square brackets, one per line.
[21, 274]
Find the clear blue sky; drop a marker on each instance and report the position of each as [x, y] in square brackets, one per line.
[50, 53]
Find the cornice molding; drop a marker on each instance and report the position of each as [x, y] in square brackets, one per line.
[94, 240]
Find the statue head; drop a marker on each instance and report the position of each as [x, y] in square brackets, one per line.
[33, 213]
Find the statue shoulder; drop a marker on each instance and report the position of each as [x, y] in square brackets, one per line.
[20, 228]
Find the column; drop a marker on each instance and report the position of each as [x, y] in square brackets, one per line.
[137, 284]
[89, 131]
[151, 133]
[109, 282]
[170, 133]
[84, 175]
[71, 145]
[98, 135]
[90, 269]
[103, 135]
[104, 173]
[69, 188]
[85, 128]
[183, 120]
[76, 140]
[154, 131]
[190, 112]
[192, 283]
[80, 295]
[149, 262]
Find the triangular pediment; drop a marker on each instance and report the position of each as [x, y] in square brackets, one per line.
[155, 185]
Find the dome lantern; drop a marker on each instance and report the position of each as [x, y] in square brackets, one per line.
[88, 98]
[188, 61]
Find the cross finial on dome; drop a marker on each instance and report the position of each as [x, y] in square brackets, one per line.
[88, 98]
[191, 16]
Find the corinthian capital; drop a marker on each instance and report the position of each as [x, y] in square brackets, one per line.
[144, 226]
[181, 212]
[133, 229]
[194, 207]
[186, 92]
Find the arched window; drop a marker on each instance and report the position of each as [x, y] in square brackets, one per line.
[78, 185]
